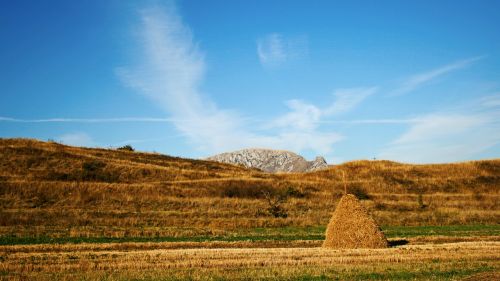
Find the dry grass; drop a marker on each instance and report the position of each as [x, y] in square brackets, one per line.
[52, 190]
[351, 227]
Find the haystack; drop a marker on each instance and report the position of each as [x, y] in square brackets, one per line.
[352, 227]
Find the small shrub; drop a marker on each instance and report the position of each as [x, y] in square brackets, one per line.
[127, 147]
[275, 202]
[93, 170]
[42, 199]
[93, 166]
[380, 206]
[420, 201]
[294, 192]
[478, 196]
[359, 192]
[58, 176]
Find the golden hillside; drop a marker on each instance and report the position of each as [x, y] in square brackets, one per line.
[49, 189]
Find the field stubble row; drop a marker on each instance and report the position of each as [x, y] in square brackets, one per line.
[227, 262]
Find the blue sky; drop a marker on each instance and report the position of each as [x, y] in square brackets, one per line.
[411, 81]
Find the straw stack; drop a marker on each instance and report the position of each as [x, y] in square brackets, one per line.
[352, 227]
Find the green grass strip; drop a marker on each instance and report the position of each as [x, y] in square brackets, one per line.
[267, 234]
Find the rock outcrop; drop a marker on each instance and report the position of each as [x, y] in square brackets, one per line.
[269, 160]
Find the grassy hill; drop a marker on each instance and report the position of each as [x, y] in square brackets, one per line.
[49, 190]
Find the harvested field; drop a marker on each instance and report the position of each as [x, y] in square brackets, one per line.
[269, 263]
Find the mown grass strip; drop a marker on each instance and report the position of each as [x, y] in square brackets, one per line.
[9, 240]
[389, 231]
[447, 230]
[267, 234]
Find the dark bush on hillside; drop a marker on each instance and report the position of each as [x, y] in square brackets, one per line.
[359, 192]
[92, 170]
[487, 179]
[257, 190]
[245, 191]
[489, 166]
[292, 191]
[127, 147]
[57, 176]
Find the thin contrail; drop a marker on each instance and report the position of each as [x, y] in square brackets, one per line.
[371, 121]
[168, 120]
[87, 120]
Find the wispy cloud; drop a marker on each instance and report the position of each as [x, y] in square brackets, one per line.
[275, 49]
[347, 99]
[491, 100]
[171, 70]
[271, 50]
[77, 139]
[307, 116]
[301, 125]
[170, 73]
[446, 137]
[418, 80]
[87, 120]
[457, 134]
[435, 126]
[301, 115]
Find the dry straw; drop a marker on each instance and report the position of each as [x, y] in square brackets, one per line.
[352, 227]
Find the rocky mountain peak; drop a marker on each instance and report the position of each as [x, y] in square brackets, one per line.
[270, 160]
[318, 163]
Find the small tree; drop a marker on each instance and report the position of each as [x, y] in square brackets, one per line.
[420, 201]
[275, 202]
